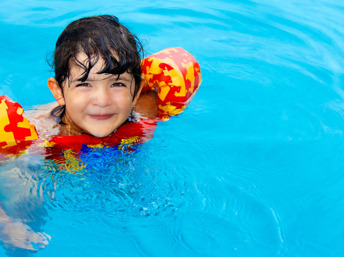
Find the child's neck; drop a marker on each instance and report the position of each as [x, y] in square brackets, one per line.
[70, 129]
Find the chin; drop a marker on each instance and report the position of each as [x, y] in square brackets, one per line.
[100, 135]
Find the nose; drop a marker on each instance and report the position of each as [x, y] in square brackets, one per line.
[102, 97]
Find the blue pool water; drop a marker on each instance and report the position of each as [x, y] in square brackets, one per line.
[253, 167]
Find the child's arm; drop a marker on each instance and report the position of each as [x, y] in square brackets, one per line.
[20, 235]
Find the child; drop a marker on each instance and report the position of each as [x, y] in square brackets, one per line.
[100, 94]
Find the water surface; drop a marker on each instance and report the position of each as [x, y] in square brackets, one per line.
[253, 167]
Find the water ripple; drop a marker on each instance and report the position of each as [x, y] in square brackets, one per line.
[245, 224]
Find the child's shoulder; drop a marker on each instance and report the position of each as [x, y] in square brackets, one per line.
[147, 106]
[41, 118]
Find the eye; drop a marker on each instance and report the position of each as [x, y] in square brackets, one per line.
[118, 84]
[83, 85]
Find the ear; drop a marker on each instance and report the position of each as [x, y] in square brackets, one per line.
[138, 92]
[56, 90]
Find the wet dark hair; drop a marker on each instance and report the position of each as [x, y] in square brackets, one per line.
[98, 37]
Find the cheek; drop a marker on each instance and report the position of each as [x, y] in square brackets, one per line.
[75, 103]
[124, 99]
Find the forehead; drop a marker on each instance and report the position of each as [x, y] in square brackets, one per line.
[81, 62]
[79, 66]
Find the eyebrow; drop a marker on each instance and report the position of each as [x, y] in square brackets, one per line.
[116, 77]
[125, 77]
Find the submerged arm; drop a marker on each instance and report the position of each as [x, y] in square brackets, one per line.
[19, 234]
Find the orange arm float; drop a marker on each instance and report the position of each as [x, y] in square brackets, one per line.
[175, 75]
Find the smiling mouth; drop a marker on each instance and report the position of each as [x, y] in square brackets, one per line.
[102, 117]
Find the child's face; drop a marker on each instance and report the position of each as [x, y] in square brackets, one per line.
[102, 103]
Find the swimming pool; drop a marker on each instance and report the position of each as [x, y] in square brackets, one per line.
[253, 167]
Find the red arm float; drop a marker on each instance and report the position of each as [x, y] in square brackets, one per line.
[175, 75]
[16, 132]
